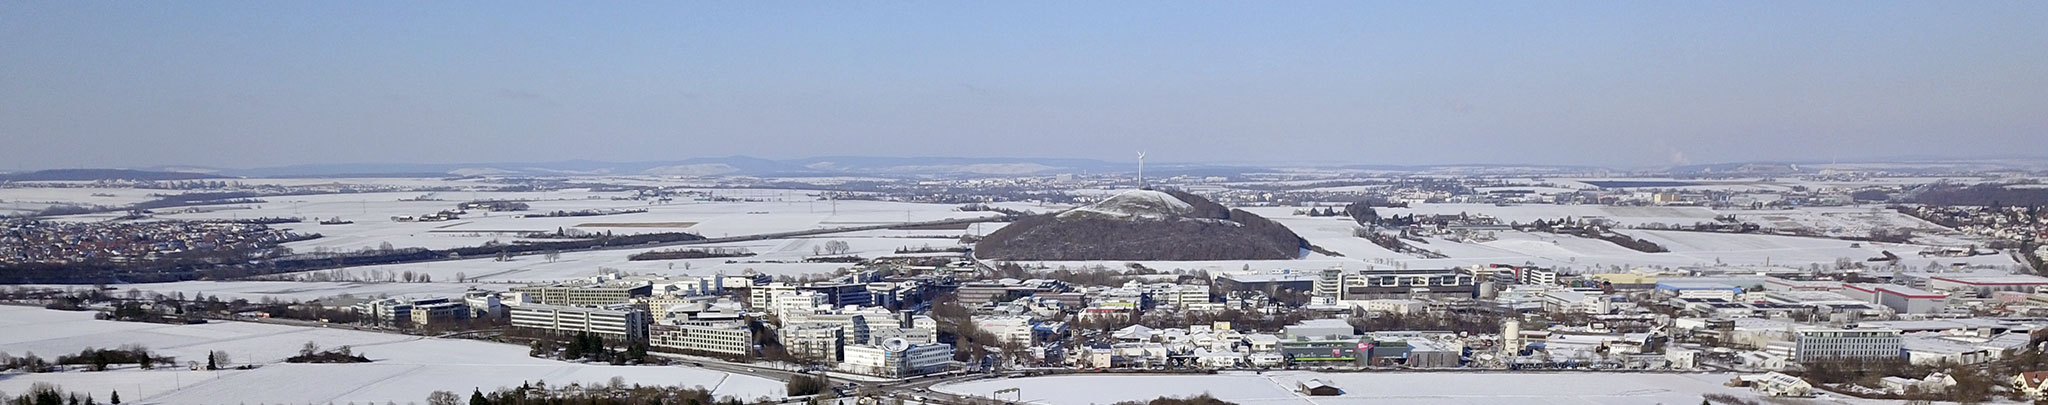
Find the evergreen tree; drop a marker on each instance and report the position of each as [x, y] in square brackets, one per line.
[476, 397]
[575, 349]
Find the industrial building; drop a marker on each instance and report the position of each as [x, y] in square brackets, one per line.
[1983, 286]
[1903, 299]
[1698, 289]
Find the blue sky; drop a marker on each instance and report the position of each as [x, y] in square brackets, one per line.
[242, 84]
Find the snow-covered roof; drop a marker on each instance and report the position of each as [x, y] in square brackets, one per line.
[1133, 332]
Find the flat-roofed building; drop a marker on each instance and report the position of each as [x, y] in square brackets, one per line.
[1779, 284]
[1395, 306]
[982, 293]
[812, 341]
[1699, 289]
[1343, 285]
[840, 295]
[1823, 344]
[896, 358]
[400, 311]
[717, 337]
[623, 322]
[1903, 299]
[586, 292]
[439, 313]
[1983, 286]
[762, 296]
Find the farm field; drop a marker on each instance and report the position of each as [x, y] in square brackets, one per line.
[404, 368]
[763, 211]
[788, 255]
[373, 225]
[1532, 212]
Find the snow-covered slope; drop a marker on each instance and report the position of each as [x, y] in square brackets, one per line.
[1135, 204]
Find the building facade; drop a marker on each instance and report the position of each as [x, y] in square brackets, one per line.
[896, 359]
[585, 293]
[621, 322]
[1823, 344]
[727, 338]
[1398, 283]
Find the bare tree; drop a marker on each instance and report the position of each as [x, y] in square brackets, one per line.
[443, 398]
[218, 358]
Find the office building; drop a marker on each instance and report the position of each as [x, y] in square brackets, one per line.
[619, 322]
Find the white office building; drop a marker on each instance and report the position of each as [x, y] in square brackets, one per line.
[615, 322]
[897, 358]
[1820, 344]
[727, 338]
[762, 297]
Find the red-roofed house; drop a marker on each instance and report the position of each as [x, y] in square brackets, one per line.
[2030, 383]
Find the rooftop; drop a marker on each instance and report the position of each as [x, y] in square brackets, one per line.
[2011, 279]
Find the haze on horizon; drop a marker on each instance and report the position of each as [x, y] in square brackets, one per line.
[246, 84]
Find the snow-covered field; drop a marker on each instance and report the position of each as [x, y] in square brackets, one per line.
[15, 201]
[372, 212]
[302, 291]
[1531, 212]
[1279, 388]
[1543, 249]
[771, 210]
[762, 211]
[404, 368]
[790, 252]
[1791, 250]
[1837, 221]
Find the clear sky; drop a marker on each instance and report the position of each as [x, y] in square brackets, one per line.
[1622, 83]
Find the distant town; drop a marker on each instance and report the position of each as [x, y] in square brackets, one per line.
[1728, 288]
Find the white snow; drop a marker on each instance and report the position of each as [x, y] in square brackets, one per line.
[1367, 387]
[1279, 388]
[404, 368]
[1144, 204]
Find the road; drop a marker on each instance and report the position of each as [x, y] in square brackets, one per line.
[909, 389]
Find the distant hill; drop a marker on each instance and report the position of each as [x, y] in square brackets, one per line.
[102, 174]
[1144, 225]
[747, 166]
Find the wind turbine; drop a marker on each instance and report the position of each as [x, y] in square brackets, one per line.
[1141, 170]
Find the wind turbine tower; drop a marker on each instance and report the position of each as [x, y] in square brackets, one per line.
[1141, 170]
